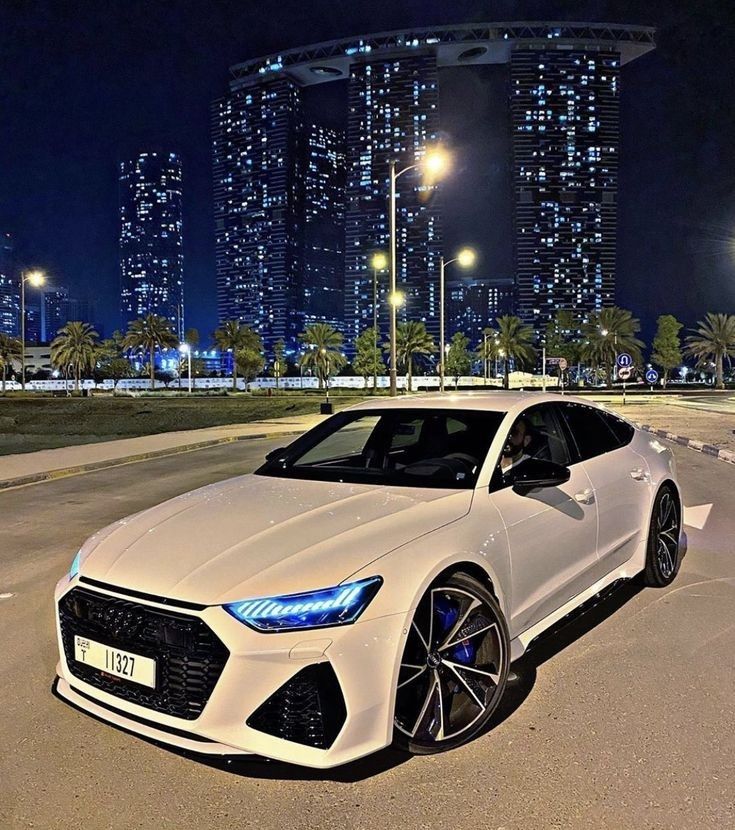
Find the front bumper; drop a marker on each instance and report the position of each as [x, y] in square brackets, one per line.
[364, 658]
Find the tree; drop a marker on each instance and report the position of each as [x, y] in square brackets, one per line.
[279, 361]
[411, 339]
[191, 336]
[562, 337]
[714, 340]
[458, 361]
[667, 345]
[368, 359]
[323, 351]
[250, 362]
[75, 347]
[116, 368]
[10, 350]
[233, 336]
[148, 334]
[609, 333]
[514, 340]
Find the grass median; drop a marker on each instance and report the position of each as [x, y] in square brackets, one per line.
[38, 423]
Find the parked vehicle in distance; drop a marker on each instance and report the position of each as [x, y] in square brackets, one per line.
[371, 583]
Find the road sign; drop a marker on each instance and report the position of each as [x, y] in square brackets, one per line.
[563, 363]
[651, 376]
[624, 360]
[624, 373]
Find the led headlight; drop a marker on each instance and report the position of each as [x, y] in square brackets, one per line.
[74, 570]
[340, 605]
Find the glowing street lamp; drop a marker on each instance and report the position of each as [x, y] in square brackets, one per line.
[185, 348]
[466, 259]
[379, 262]
[36, 279]
[434, 163]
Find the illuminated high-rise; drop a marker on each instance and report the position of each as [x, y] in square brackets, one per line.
[9, 288]
[151, 248]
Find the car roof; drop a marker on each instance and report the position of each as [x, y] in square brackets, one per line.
[497, 401]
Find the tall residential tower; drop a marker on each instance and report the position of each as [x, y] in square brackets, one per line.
[9, 288]
[151, 250]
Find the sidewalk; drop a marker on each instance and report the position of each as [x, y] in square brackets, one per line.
[32, 467]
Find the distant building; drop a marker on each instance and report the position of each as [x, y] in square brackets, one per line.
[9, 288]
[565, 109]
[474, 304]
[34, 303]
[58, 308]
[324, 226]
[151, 252]
[393, 115]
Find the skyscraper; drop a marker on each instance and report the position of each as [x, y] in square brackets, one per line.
[474, 304]
[393, 115]
[324, 228]
[151, 250]
[258, 195]
[58, 308]
[565, 115]
[9, 288]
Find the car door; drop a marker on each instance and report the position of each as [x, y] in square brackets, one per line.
[619, 478]
[552, 532]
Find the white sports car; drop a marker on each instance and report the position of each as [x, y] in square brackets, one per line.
[371, 583]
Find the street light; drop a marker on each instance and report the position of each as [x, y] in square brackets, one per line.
[435, 162]
[379, 262]
[36, 279]
[185, 348]
[466, 259]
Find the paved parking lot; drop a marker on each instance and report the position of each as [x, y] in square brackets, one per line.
[623, 720]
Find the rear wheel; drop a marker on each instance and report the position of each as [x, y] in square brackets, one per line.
[662, 556]
[454, 667]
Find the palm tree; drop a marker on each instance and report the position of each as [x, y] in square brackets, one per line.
[323, 351]
[236, 337]
[148, 334]
[10, 350]
[75, 347]
[411, 339]
[609, 333]
[714, 339]
[513, 342]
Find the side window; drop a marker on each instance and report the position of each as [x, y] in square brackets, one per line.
[590, 430]
[622, 430]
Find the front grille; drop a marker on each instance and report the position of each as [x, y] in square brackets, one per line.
[189, 656]
[309, 709]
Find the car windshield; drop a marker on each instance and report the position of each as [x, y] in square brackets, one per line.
[401, 447]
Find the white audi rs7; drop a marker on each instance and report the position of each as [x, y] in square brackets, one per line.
[371, 583]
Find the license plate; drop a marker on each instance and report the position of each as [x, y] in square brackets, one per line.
[114, 661]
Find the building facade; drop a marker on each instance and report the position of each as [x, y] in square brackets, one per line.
[151, 245]
[58, 308]
[475, 304]
[565, 108]
[9, 288]
[258, 136]
[324, 226]
[393, 116]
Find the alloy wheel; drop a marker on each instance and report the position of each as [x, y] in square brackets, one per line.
[667, 535]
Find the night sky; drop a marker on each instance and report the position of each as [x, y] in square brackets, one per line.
[85, 83]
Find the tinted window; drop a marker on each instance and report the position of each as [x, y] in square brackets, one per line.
[409, 448]
[590, 430]
[623, 431]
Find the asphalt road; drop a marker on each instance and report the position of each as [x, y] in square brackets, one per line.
[623, 720]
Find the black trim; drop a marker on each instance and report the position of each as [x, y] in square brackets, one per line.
[171, 730]
[180, 603]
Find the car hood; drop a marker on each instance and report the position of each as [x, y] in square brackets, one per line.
[259, 535]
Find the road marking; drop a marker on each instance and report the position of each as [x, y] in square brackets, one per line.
[6, 596]
[696, 516]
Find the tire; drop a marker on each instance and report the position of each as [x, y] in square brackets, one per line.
[448, 686]
[663, 557]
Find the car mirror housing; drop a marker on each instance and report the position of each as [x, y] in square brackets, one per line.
[274, 454]
[534, 473]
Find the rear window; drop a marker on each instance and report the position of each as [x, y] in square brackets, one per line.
[591, 430]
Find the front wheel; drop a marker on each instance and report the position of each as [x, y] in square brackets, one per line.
[454, 667]
[662, 554]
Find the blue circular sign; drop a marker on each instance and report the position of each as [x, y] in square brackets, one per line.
[625, 361]
[652, 376]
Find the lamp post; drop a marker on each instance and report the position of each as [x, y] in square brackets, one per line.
[466, 259]
[36, 279]
[434, 163]
[604, 333]
[185, 348]
[379, 262]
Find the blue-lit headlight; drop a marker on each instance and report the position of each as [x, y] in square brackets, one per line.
[316, 609]
[74, 570]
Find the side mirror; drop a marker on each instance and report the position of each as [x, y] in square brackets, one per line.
[274, 454]
[534, 473]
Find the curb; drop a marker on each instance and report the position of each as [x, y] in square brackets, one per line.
[78, 469]
[693, 444]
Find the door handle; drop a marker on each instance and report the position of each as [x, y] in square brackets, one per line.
[639, 474]
[585, 497]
